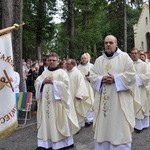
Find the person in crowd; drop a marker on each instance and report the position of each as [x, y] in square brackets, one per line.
[16, 83]
[44, 66]
[25, 73]
[113, 79]
[31, 77]
[142, 55]
[63, 64]
[79, 91]
[85, 67]
[56, 117]
[142, 79]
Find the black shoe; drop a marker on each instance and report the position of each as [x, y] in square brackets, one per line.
[71, 146]
[137, 131]
[78, 132]
[40, 148]
[49, 149]
[88, 124]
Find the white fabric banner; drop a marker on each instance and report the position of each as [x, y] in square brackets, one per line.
[8, 116]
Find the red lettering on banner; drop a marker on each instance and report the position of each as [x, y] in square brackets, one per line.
[8, 116]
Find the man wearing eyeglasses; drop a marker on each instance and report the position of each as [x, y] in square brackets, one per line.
[56, 116]
[113, 78]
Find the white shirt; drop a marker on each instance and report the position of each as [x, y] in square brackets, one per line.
[16, 82]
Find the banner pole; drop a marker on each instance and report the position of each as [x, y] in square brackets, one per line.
[9, 29]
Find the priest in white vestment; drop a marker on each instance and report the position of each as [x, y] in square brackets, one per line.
[85, 67]
[143, 57]
[142, 79]
[113, 78]
[78, 91]
[56, 117]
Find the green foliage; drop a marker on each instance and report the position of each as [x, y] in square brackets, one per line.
[87, 32]
[39, 27]
[93, 20]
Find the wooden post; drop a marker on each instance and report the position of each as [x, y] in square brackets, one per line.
[9, 29]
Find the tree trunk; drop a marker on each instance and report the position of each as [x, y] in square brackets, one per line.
[125, 26]
[39, 29]
[71, 27]
[85, 15]
[7, 13]
[17, 40]
[39, 51]
[149, 9]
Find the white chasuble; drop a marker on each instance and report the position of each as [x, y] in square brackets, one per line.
[142, 79]
[85, 70]
[56, 118]
[114, 103]
[79, 90]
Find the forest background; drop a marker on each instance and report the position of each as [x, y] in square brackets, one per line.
[84, 25]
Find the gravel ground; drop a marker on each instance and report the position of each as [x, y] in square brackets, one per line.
[25, 139]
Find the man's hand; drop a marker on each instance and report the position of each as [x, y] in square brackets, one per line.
[48, 80]
[108, 79]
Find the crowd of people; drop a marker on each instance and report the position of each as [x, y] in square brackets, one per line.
[112, 95]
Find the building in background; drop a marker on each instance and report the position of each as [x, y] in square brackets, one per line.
[142, 30]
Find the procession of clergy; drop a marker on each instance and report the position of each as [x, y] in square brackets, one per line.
[112, 95]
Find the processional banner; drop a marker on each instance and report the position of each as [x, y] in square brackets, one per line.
[8, 115]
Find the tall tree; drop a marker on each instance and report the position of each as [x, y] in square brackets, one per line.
[17, 40]
[85, 22]
[7, 13]
[71, 27]
[125, 26]
[39, 28]
[12, 13]
[87, 25]
[149, 9]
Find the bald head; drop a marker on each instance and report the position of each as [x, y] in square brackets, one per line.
[110, 43]
[111, 37]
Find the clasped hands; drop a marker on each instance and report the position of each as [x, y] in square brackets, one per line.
[108, 79]
[48, 80]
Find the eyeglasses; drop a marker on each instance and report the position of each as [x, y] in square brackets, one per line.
[109, 43]
[134, 53]
[52, 60]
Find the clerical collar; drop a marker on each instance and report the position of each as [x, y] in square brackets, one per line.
[116, 53]
[53, 69]
[110, 55]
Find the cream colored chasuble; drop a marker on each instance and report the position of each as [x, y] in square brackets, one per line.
[78, 89]
[56, 117]
[85, 69]
[143, 79]
[114, 106]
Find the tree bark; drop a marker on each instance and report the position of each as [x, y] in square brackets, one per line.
[17, 41]
[125, 26]
[85, 15]
[149, 9]
[71, 27]
[39, 29]
[7, 13]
